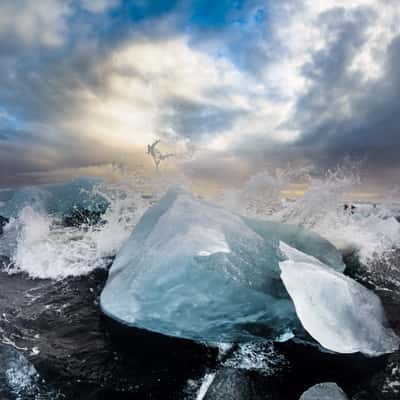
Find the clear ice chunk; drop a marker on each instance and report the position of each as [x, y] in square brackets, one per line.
[192, 269]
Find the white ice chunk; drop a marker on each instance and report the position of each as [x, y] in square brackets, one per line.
[298, 256]
[335, 310]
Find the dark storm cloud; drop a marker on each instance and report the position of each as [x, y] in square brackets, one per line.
[344, 114]
[38, 154]
[35, 96]
[37, 84]
[197, 121]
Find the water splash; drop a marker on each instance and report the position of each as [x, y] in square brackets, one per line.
[38, 244]
[20, 380]
[370, 230]
[260, 196]
[261, 357]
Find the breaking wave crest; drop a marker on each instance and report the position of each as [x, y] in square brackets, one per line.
[371, 229]
[39, 244]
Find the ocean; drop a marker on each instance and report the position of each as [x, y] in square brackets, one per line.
[58, 242]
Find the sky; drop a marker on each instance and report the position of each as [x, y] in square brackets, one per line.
[240, 85]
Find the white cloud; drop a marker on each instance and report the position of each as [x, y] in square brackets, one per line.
[98, 5]
[42, 22]
[302, 35]
[34, 22]
[140, 79]
[142, 76]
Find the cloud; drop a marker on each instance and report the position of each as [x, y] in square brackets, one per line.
[98, 5]
[351, 105]
[117, 100]
[199, 121]
[337, 79]
[213, 167]
[34, 22]
[253, 83]
[147, 89]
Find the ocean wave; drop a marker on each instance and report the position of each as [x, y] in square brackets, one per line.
[38, 244]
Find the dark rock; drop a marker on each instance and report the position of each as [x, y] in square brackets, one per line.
[231, 384]
[81, 216]
[4, 262]
[350, 208]
[3, 222]
[305, 366]
[308, 365]
[385, 385]
[238, 384]
[324, 391]
[382, 275]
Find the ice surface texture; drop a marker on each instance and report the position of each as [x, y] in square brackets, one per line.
[194, 270]
[338, 312]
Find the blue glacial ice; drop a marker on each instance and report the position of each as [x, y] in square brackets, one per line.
[194, 270]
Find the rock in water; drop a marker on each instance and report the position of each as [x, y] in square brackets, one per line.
[324, 391]
[239, 384]
[231, 384]
[3, 222]
[4, 262]
[194, 270]
[338, 312]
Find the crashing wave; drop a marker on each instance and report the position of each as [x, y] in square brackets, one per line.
[370, 229]
[39, 244]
